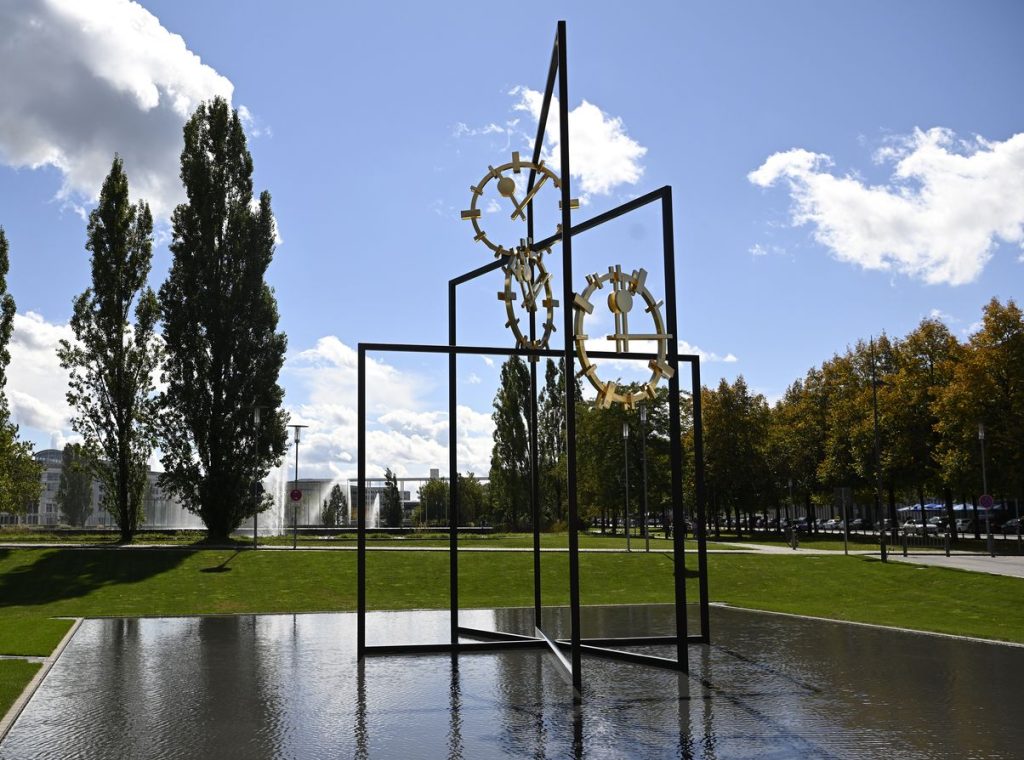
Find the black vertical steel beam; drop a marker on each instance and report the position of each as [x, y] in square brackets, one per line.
[534, 458]
[674, 429]
[453, 476]
[570, 367]
[702, 537]
[361, 496]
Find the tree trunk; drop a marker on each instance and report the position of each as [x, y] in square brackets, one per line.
[947, 495]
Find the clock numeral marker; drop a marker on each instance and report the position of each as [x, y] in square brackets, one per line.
[582, 303]
[639, 280]
[471, 213]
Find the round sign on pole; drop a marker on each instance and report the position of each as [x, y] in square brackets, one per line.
[986, 501]
[296, 495]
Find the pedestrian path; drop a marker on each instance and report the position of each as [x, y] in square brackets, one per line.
[978, 563]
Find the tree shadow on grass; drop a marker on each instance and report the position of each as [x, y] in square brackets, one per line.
[59, 574]
[222, 567]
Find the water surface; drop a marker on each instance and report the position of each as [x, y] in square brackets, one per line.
[289, 686]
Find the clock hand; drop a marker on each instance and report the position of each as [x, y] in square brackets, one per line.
[520, 206]
[537, 288]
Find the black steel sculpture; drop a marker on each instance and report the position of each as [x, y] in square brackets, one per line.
[576, 645]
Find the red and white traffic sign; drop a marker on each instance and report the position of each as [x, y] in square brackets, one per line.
[986, 501]
[296, 495]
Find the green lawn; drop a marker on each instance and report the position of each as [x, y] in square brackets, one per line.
[38, 584]
[14, 676]
[425, 539]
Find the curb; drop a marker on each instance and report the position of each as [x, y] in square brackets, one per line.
[997, 642]
[7, 721]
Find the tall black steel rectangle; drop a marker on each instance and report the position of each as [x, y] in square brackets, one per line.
[361, 499]
[453, 475]
[570, 365]
[675, 434]
[702, 536]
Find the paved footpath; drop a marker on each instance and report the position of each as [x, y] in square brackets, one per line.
[979, 563]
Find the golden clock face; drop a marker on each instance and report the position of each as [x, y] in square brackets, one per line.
[621, 299]
[528, 282]
[504, 191]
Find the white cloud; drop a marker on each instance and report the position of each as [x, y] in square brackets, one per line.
[474, 379]
[403, 431]
[945, 207]
[942, 316]
[82, 81]
[602, 156]
[488, 361]
[705, 356]
[36, 384]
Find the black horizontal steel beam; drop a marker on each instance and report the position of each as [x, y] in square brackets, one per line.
[607, 216]
[426, 348]
[479, 633]
[471, 646]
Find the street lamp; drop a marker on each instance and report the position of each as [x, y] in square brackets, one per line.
[255, 483]
[878, 458]
[295, 514]
[643, 467]
[625, 464]
[984, 490]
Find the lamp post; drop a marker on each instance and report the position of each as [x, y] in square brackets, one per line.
[295, 514]
[255, 483]
[878, 458]
[625, 466]
[643, 468]
[984, 489]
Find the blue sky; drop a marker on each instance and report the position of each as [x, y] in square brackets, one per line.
[838, 170]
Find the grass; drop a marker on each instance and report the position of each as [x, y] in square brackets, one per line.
[14, 676]
[419, 539]
[38, 584]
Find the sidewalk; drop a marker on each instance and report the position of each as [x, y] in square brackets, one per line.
[978, 563]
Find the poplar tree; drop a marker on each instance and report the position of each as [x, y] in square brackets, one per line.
[7, 310]
[224, 352]
[112, 362]
[19, 472]
[74, 493]
[391, 503]
[335, 508]
[510, 456]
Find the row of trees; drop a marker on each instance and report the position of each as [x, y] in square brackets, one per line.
[20, 485]
[930, 392]
[217, 356]
[600, 453]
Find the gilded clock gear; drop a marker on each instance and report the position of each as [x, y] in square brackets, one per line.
[624, 287]
[506, 187]
[525, 269]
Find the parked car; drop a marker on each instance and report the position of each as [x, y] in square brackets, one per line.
[917, 529]
[965, 526]
[860, 523]
[1012, 526]
[833, 524]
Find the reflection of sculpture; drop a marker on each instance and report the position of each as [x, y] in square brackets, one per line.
[620, 302]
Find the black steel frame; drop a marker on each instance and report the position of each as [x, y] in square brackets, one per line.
[576, 644]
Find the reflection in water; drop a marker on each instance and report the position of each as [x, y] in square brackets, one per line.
[455, 713]
[290, 687]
